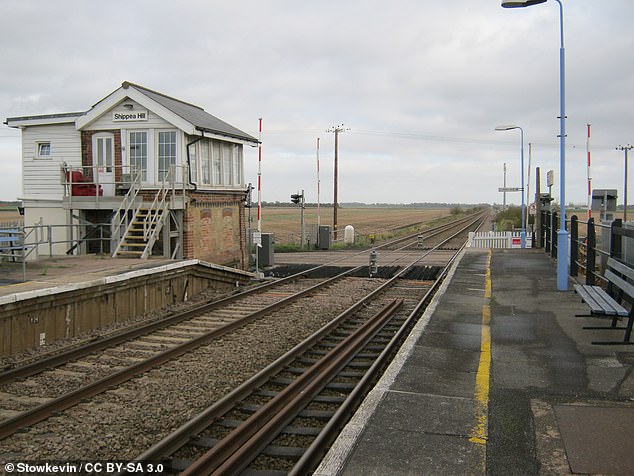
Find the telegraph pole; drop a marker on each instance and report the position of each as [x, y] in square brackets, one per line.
[626, 149]
[260, 178]
[337, 130]
[318, 188]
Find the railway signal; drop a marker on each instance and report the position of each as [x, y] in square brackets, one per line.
[373, 267]
[298, 199]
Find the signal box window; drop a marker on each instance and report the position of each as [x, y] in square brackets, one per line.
[43, 150]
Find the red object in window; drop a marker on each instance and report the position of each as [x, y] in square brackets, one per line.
[79, 187]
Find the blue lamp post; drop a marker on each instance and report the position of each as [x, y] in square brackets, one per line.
[562, 234]
[523, 232]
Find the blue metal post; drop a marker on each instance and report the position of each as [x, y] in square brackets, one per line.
[523, 233]
[562, 234]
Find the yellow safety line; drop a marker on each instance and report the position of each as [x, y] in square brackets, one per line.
[479, 432]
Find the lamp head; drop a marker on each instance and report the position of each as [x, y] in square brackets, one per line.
[520, 3]
[506, 127]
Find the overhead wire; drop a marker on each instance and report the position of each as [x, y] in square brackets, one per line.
[426, 137]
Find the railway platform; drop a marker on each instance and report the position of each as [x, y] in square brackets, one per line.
[498, 377]
[62, 270]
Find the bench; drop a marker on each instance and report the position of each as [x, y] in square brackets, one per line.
[611, 303]
[9, 242]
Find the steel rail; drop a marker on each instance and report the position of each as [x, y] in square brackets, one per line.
[316, 451]
[478, 220]
[41, 412]
[174, 318]
[437, 230]
[64, 357]
[234, 452]
[469, 220]
[9, 426]
[387, 244]
[179, 437]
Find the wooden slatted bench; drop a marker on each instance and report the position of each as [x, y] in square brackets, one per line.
[612, 303]
[9, 242]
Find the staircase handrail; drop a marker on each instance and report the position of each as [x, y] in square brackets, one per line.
[128, 203]
[153, 232]
[153, 221]
[159, 203]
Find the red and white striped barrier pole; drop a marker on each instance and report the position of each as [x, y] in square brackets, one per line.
[260, 178]
[318, 186]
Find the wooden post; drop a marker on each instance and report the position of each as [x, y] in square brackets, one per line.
[616, 240]
[547, 218]
[574, 245]
[554, 225]
[538, 211]
[335, 204]
[591, 253]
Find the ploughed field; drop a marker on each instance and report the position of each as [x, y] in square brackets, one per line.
[285, 222]
[9, 214]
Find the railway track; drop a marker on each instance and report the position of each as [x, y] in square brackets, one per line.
[283, 419]
[436, 236]
[82, 374]
[394, 253]
[50, 386]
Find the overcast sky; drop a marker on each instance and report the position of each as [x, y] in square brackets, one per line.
[421, 85]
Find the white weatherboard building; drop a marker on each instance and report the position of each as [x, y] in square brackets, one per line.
[149, 173]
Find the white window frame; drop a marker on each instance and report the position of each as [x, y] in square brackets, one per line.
[220, 164]
[39, 145]
[95, 146]
[149, 170]
[236, 155]
[157, 135]
[227, 164]
[205, 163]
[216, 163]
[194, 160]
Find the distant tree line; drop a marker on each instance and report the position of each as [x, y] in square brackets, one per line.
[511, 218]
[379, 205]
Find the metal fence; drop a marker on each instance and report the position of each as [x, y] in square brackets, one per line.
[591, 244]
[18, 243]
[497, 239]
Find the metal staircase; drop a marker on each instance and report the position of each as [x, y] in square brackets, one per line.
[143, 230]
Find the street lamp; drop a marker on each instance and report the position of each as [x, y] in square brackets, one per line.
[517, 4]
[562, 234]
[508, 128]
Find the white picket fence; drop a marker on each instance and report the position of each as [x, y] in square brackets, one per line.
[497, 239]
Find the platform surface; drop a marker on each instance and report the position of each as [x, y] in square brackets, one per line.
[60, 270]
[60, 274]
[498, 377]
[499, 382]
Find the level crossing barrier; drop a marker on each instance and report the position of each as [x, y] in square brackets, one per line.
[497, 239]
